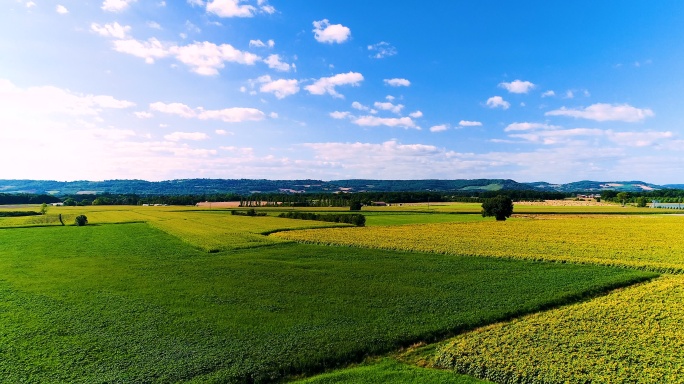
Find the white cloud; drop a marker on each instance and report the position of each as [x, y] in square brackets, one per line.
[390, 97]
[261, 44]
[178, 136]
[230, 8]
[143, 115]
[207, 58]
[466, 123]
[273, 61]
[61, 9]
[324, 32]
[232, 115]
[569, 94]
[223, 132]
[439, 128]
[149, 50]
[548, 93]
[498, 101]
[374, 121]
[359, 106]
[178, 109]
[528, 126]
[204, 58]
[281, 88]
[605, 112]
[48, 100]
[228, 115]
[154, 25]
[416, 114]
[116, 5]
[382, 50]
[340, 115]
[397, 82]
[517, 86]
[639, 139]
[265, 7]
[30, 4]
[114, 30]
[326, 85]
[387, 106]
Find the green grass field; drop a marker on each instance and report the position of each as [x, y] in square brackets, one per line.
[133, 303]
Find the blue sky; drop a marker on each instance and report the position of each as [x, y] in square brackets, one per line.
[296, 89]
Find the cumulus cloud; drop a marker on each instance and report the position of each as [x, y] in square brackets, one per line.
[150, 50]
[416, 114]
[439, 128]
[52, 100]
[359, 106]
[265, 7]
[116, 5]
[228, 115]
[340, 115]
[143, 115]
[549, 93]
[207, 58]
[528, 126]
[178, 136]
[324, 32]
[281, 88]
[498, 102]
[62, 10]
[517, 86]
[232, 115]
[230, 8]
[374, 121]
[114, 30]
[274, 62]
[382, 50]
[326, 85]
[261, 44]
[387, 106]
[605, 112]
[397, 82]
[178, 109]
[203, 58]
[466, 123]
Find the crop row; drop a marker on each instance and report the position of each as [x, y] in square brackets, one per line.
[647, 242]
[631, 335]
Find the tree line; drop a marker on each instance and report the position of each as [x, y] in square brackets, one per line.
[329, 199]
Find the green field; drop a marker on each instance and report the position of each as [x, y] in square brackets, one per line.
[145, 301]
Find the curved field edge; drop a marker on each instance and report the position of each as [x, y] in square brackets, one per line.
[630, 335]
[654, 243]
[390, 371]
[131, 303]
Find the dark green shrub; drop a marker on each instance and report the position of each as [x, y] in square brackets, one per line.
[500, 207]
[81, 220]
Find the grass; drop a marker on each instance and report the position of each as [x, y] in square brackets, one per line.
[653, 242]
[130, 303]
[391, 371]
[631, 335]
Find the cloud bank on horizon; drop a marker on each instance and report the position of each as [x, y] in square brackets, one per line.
[295, 89]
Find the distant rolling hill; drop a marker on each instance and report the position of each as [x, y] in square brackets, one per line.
[248, 186]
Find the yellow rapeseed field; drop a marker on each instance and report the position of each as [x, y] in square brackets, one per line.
[653, 242]
[631, 335]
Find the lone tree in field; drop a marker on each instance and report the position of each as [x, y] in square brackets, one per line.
[355, 206]
[622, 197]
[500, 207]
[81, 220]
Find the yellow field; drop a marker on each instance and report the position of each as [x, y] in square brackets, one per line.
[631, 335]
[653, 242]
